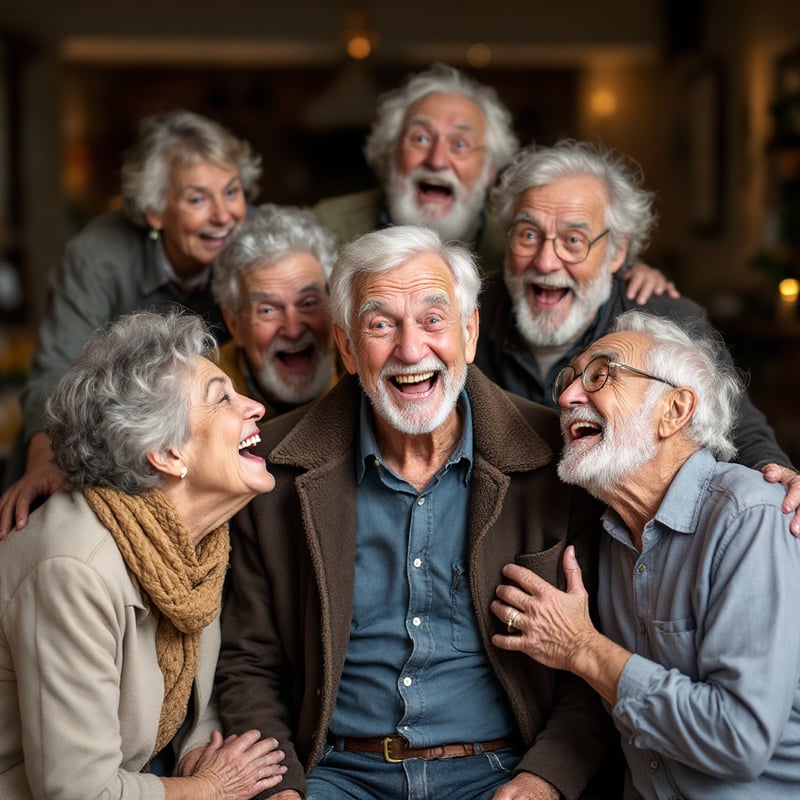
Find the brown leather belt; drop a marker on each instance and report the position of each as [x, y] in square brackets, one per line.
[395, 748]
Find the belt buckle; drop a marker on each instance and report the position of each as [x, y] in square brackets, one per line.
[387, 741]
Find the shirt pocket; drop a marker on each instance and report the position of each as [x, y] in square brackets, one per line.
[464, 634]
[673, 645]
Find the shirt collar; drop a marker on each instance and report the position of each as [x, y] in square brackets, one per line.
[170, 276]
[680, 509]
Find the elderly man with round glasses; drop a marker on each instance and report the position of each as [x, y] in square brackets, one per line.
[437, 144]
[575, 216]
[698, 654]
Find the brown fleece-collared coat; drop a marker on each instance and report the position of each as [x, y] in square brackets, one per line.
[286, 621]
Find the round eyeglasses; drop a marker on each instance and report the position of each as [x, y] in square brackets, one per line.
[595, 375]
[571, 247]
[460, 145]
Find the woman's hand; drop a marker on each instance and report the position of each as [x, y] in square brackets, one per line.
[643, 281]
[41, 479]
[236, 768]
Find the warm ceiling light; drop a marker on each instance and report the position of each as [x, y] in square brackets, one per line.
[360, 39]
[789, 288]
[479, 55]
[603, 102]
[359, 47]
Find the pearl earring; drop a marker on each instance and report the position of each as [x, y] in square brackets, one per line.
[184, 472]
[154, 233]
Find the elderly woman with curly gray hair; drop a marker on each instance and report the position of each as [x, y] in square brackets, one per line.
[110, 597]
[185, 183]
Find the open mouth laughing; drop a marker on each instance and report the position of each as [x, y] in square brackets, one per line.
[246, 445]
[415, 383]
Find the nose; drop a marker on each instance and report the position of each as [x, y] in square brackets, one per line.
[410, 347]
[221, 212]
[293, 326]
[251, 409]
[546, 260]
[574, 394]
[439, 155]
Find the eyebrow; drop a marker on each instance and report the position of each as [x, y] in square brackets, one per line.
[611, 356]
[440, 298]
[426, 123]
[272, 297]
[524, 216]
[197, 188]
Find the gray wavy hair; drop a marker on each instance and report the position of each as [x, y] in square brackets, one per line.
[387, 249]
[126, 396]
[184, 138]
[691, 354]
[271, 233]
[501, 141]
[629, 215]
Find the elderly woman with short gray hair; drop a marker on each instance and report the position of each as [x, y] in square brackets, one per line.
[109, 599]
[185, 183]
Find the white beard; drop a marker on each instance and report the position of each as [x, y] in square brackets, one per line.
[541, 328]
[416, 419]
[599, 467]
[296, 389]
[459, 223]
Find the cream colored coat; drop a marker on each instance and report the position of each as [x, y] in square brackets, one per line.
[80, 687]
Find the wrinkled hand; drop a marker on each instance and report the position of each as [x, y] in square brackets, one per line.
[644, 281]
[775, 473]
[288, 794]
[527, 786]
[552, 625]
[39, 480]
[239, 767]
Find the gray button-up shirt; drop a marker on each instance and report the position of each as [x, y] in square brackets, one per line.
[709, 707]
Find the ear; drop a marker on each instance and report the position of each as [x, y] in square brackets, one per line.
[618, 259]
[678, 412]
[231, 321]
[168, 462]
[471, 343]
[153, 220]
[346, 351]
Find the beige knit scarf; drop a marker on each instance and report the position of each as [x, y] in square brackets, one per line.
[182, 582]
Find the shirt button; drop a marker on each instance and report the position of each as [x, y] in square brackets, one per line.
[642, 627]
[417, 562]
[407, 681]
[420, 501]
[416, 622]
[654, 764]
[642, 568]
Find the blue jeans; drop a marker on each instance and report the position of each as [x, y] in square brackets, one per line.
[344, 775]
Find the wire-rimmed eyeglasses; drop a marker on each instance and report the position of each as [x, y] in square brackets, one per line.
[595, 375]
[571, 247]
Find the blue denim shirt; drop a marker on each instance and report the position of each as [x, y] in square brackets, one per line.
[415, 662]
[709, 707]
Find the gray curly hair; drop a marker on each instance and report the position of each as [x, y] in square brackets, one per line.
[266, 236]
[179, 137]
[501, 141]
[691, 354]
[629, 215]
[125, 397]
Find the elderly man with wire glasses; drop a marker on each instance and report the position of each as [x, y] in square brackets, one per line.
[575, 216]
[437, 143]
[698, 661]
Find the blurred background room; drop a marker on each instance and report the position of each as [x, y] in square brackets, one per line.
[704, 95]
